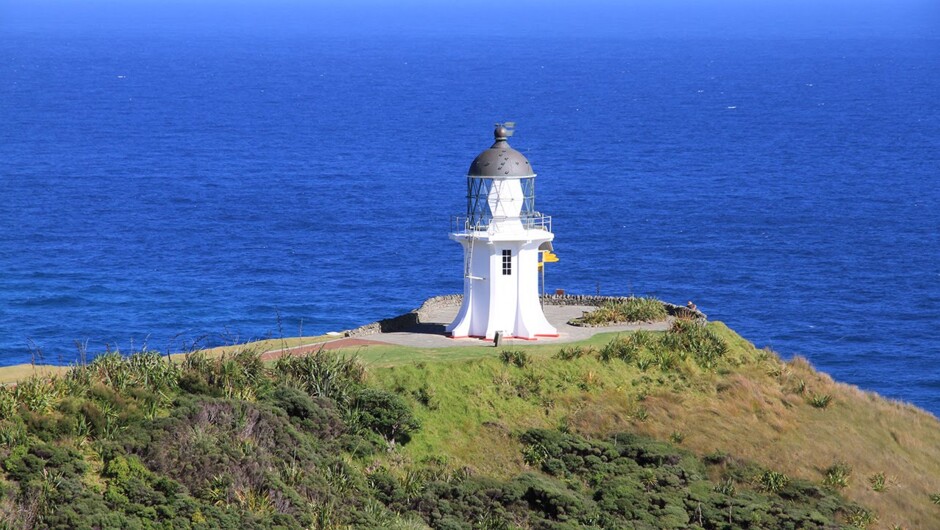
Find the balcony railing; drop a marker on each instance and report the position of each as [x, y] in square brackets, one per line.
[463, 224]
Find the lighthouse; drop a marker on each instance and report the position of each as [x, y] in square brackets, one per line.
[501, 234]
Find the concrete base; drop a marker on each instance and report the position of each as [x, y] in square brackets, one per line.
[431, 334]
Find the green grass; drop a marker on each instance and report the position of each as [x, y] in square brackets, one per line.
[482, 394]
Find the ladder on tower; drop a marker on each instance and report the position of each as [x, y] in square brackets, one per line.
[469, 261]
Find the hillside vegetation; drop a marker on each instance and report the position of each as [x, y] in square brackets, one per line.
[631, 309]
[691, 428]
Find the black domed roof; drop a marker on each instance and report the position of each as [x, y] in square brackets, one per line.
[500, 160]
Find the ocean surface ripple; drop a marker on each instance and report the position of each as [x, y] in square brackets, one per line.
[203, 189]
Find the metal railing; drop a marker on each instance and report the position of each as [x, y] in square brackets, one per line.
[463, 224]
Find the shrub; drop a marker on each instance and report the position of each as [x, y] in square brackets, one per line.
[667, 360]
[726, 487]
[773, 481]
[528, 385]
[632, 309]
[322, 374]
[642, 309]
[239, 375]
[553, 500]
[935, 498]
[569, 353]
[386, 487]
[621, 348]
[516, 357]
[800, 386]
[384, 413]
[38, 394]
[7, 402]
[878, 482]
[696, 339]
[820, 401]
[317, 415]
[861, 517]
[144, 369]
[837, 475]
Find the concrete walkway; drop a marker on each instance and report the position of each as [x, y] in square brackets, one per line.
[430, 333]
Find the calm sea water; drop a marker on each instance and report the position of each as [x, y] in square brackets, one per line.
[201, 188]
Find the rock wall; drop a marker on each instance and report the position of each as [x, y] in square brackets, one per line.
[409, 320]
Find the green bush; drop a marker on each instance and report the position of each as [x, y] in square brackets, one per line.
[694, 338]
[820, 401]
[569, 353]
[623, 348]
[632, 309]
[515, 357]
[861, 518]
[878, 482]
[141, 370]
[837, 475]
[385, 414]
[322, 374]
[317, 415]
[239, 375]
[773, 481]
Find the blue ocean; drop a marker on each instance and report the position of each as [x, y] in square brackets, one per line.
[165, 189]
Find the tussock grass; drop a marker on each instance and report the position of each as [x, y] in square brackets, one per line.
[632, 309]
[19, 372]
[322, 374]
[517, 358]
[878, 482]
[837, 475]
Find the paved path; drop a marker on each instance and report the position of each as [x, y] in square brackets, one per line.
[430, 334]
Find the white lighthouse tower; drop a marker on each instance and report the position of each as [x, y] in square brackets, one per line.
[502, 235]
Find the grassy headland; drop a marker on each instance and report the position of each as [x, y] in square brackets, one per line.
[691, 428]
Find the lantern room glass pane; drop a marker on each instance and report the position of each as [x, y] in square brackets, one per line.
[478, 207]
[528, 197]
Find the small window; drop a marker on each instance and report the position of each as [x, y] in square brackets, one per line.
[507, 263]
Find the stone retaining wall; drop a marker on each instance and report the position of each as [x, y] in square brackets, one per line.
[418, 316]
[408, 320]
